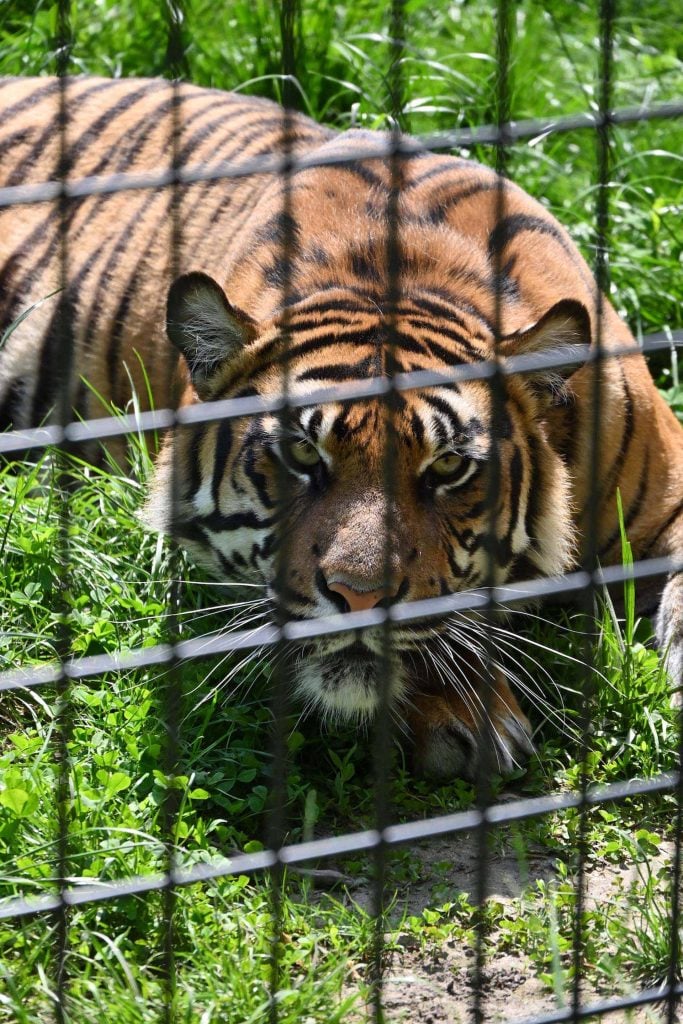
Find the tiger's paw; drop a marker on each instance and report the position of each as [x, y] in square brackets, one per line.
[450, 743]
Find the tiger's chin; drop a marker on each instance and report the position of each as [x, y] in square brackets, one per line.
[351, 684]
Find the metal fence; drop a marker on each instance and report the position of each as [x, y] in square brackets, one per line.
[580, 584]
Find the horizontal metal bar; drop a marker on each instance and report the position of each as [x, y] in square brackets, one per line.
[84, 431]
[398, 614]
[385, 146]
[605, 1006]
[335, 846]
[661, 340]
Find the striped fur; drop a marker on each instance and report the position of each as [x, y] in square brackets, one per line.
[325, 314]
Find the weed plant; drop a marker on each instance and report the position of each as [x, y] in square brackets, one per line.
[114, 584]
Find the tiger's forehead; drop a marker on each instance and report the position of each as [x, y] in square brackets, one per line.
[429, 420]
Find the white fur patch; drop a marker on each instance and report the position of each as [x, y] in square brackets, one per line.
[355, 693]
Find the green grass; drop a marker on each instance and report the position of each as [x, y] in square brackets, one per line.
[117, 599]
[118, 587]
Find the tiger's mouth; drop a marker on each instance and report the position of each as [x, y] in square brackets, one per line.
[350, 680]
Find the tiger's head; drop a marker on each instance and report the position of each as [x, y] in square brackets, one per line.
[303, 500]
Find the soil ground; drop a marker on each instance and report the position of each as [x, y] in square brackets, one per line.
[435, 985]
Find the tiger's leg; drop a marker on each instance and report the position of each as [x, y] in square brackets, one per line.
[450, 736]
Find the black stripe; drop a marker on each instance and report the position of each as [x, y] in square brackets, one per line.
[447, 356]
[343, 431]
[190, 531]
[12, 405]
[632, 512]
[508, 228]
[259, 480]
[265, 549]
[476, 510]
[360, 295]
[349, 337]
[566, 442]
[48, 87]
[637, 503]
[304, 319]
[417, 427]
[466, 538]
[445, 410]
[516, 473]
[52, 366]
[345, 335]
[457, 572]
[17, 138]
[678, 510]
[364, 266]
[222, 449]
[87, 136]
[418, 346]
[218, 522]
[438, 212]
[314, 424]
[524, 569]
[534, 489]
[357, 170]
[442, 168]
[445, 332]
[194, 462]
[443, 304]
[281, 229]
[612, 479]
[339, 371]
[416, 318]
[49, 367]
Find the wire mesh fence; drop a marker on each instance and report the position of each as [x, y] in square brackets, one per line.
[487, 599]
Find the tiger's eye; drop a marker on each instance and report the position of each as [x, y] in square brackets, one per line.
[446, 464]
[305, 453]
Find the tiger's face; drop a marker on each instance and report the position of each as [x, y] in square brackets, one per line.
[344, 506]
[338, 535]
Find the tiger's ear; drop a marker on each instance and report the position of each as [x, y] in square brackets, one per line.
[560, 333]
[204, 327]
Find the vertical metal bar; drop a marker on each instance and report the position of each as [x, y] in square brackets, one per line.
[280, 676]
[674, 969]
[62, 364]
[172, 696]
[382, 747]
[289, 14]
[590, 514]
[497, 395]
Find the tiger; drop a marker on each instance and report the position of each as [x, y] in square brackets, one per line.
[395, 264]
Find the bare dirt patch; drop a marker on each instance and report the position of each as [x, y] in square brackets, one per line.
[435, 984]
[438, 988]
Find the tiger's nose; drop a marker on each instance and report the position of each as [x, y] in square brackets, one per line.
[359, 600]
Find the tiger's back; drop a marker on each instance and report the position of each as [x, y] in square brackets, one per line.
[119, 245]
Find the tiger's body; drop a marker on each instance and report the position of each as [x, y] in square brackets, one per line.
[328, 309]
